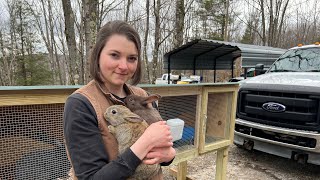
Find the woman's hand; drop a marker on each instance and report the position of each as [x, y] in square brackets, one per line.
[157, 135]
[159, 155]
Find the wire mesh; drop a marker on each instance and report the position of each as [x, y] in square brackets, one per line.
[31, 137]
[184, 108]
[31, 142]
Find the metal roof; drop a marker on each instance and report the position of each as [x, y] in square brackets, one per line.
[205, 54]
[254, 54]
[202, 54]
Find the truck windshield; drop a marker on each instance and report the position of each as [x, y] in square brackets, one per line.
[298, 60]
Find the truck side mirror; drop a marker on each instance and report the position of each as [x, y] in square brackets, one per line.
[259, 69]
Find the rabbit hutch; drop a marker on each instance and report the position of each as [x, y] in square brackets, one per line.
[31, 129]
[31, 118]
[31, 132]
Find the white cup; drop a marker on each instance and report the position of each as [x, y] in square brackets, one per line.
[176, 127]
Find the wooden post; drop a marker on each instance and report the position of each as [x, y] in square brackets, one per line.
[182, 171]
[221, 164]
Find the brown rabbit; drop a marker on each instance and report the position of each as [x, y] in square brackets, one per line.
[127, 127]
[142, 106]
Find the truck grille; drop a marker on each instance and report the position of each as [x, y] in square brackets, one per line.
[301, 110]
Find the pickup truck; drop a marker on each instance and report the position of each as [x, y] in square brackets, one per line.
[178, 79]
[279, 112]
[164, 79]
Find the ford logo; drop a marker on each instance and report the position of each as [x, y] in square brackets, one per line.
[273, 107]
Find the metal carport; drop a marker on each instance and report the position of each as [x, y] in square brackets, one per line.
[205, 54]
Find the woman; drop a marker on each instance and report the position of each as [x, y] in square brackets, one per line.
[92, 150]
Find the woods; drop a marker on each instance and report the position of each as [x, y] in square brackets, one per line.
[45, 42]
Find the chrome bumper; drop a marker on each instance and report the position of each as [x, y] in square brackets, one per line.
[279, 148]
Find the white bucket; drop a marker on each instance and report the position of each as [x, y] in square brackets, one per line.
[176, 127]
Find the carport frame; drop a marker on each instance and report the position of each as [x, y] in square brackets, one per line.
[215, 46]
[251, 55]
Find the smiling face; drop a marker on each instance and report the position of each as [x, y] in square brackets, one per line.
[118, 61]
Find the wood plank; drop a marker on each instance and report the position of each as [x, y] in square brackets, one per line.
[203, 120]
[229, 105]
[20, 99]
[217, 145]
[182, 170]
[233, 115]
[221, 164]
[174, 172]
[217, 114]
[198, 120]
[30, 97]
[185, 155]
[225, 88]
[174, 91]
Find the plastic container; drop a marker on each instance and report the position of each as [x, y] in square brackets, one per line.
[176, 127]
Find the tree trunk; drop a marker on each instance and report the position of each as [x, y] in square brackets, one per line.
[53, 46]
[90, 29]
[70, 38]
[145, 43]
[22, 57]
[47, 37]
[13, 45]
[156, 40]
[3, 63]
[281, 23]
[226, 20]
[263, 22]
[179, 23]
[129, 2]
[271, 23]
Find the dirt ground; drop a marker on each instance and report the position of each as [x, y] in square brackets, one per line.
[250, 165]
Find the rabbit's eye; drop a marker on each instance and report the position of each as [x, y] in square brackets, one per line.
[114, 112]
[131, 100]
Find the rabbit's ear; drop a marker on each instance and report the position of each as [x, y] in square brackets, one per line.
[151, 98]
[133, 118]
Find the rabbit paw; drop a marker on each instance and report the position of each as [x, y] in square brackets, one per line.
[111, 129]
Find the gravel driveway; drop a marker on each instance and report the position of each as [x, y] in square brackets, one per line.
[250, 165]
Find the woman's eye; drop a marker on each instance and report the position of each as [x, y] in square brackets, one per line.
[114, 55]
[132, 59]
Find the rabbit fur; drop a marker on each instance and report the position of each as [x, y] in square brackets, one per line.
[127, 127]
[142, 106]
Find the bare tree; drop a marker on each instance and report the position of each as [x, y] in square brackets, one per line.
[226, 20]
[13, 47]
[62, 49]
[262, 8]
[90, 10]
[156, 11]
[69, 21]
[3, 61]
[47, 34]
[179, 23]
[104, 10]
[129, 3]
[145, 43]
[54, 44]
[276, 11]
[21, 61]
